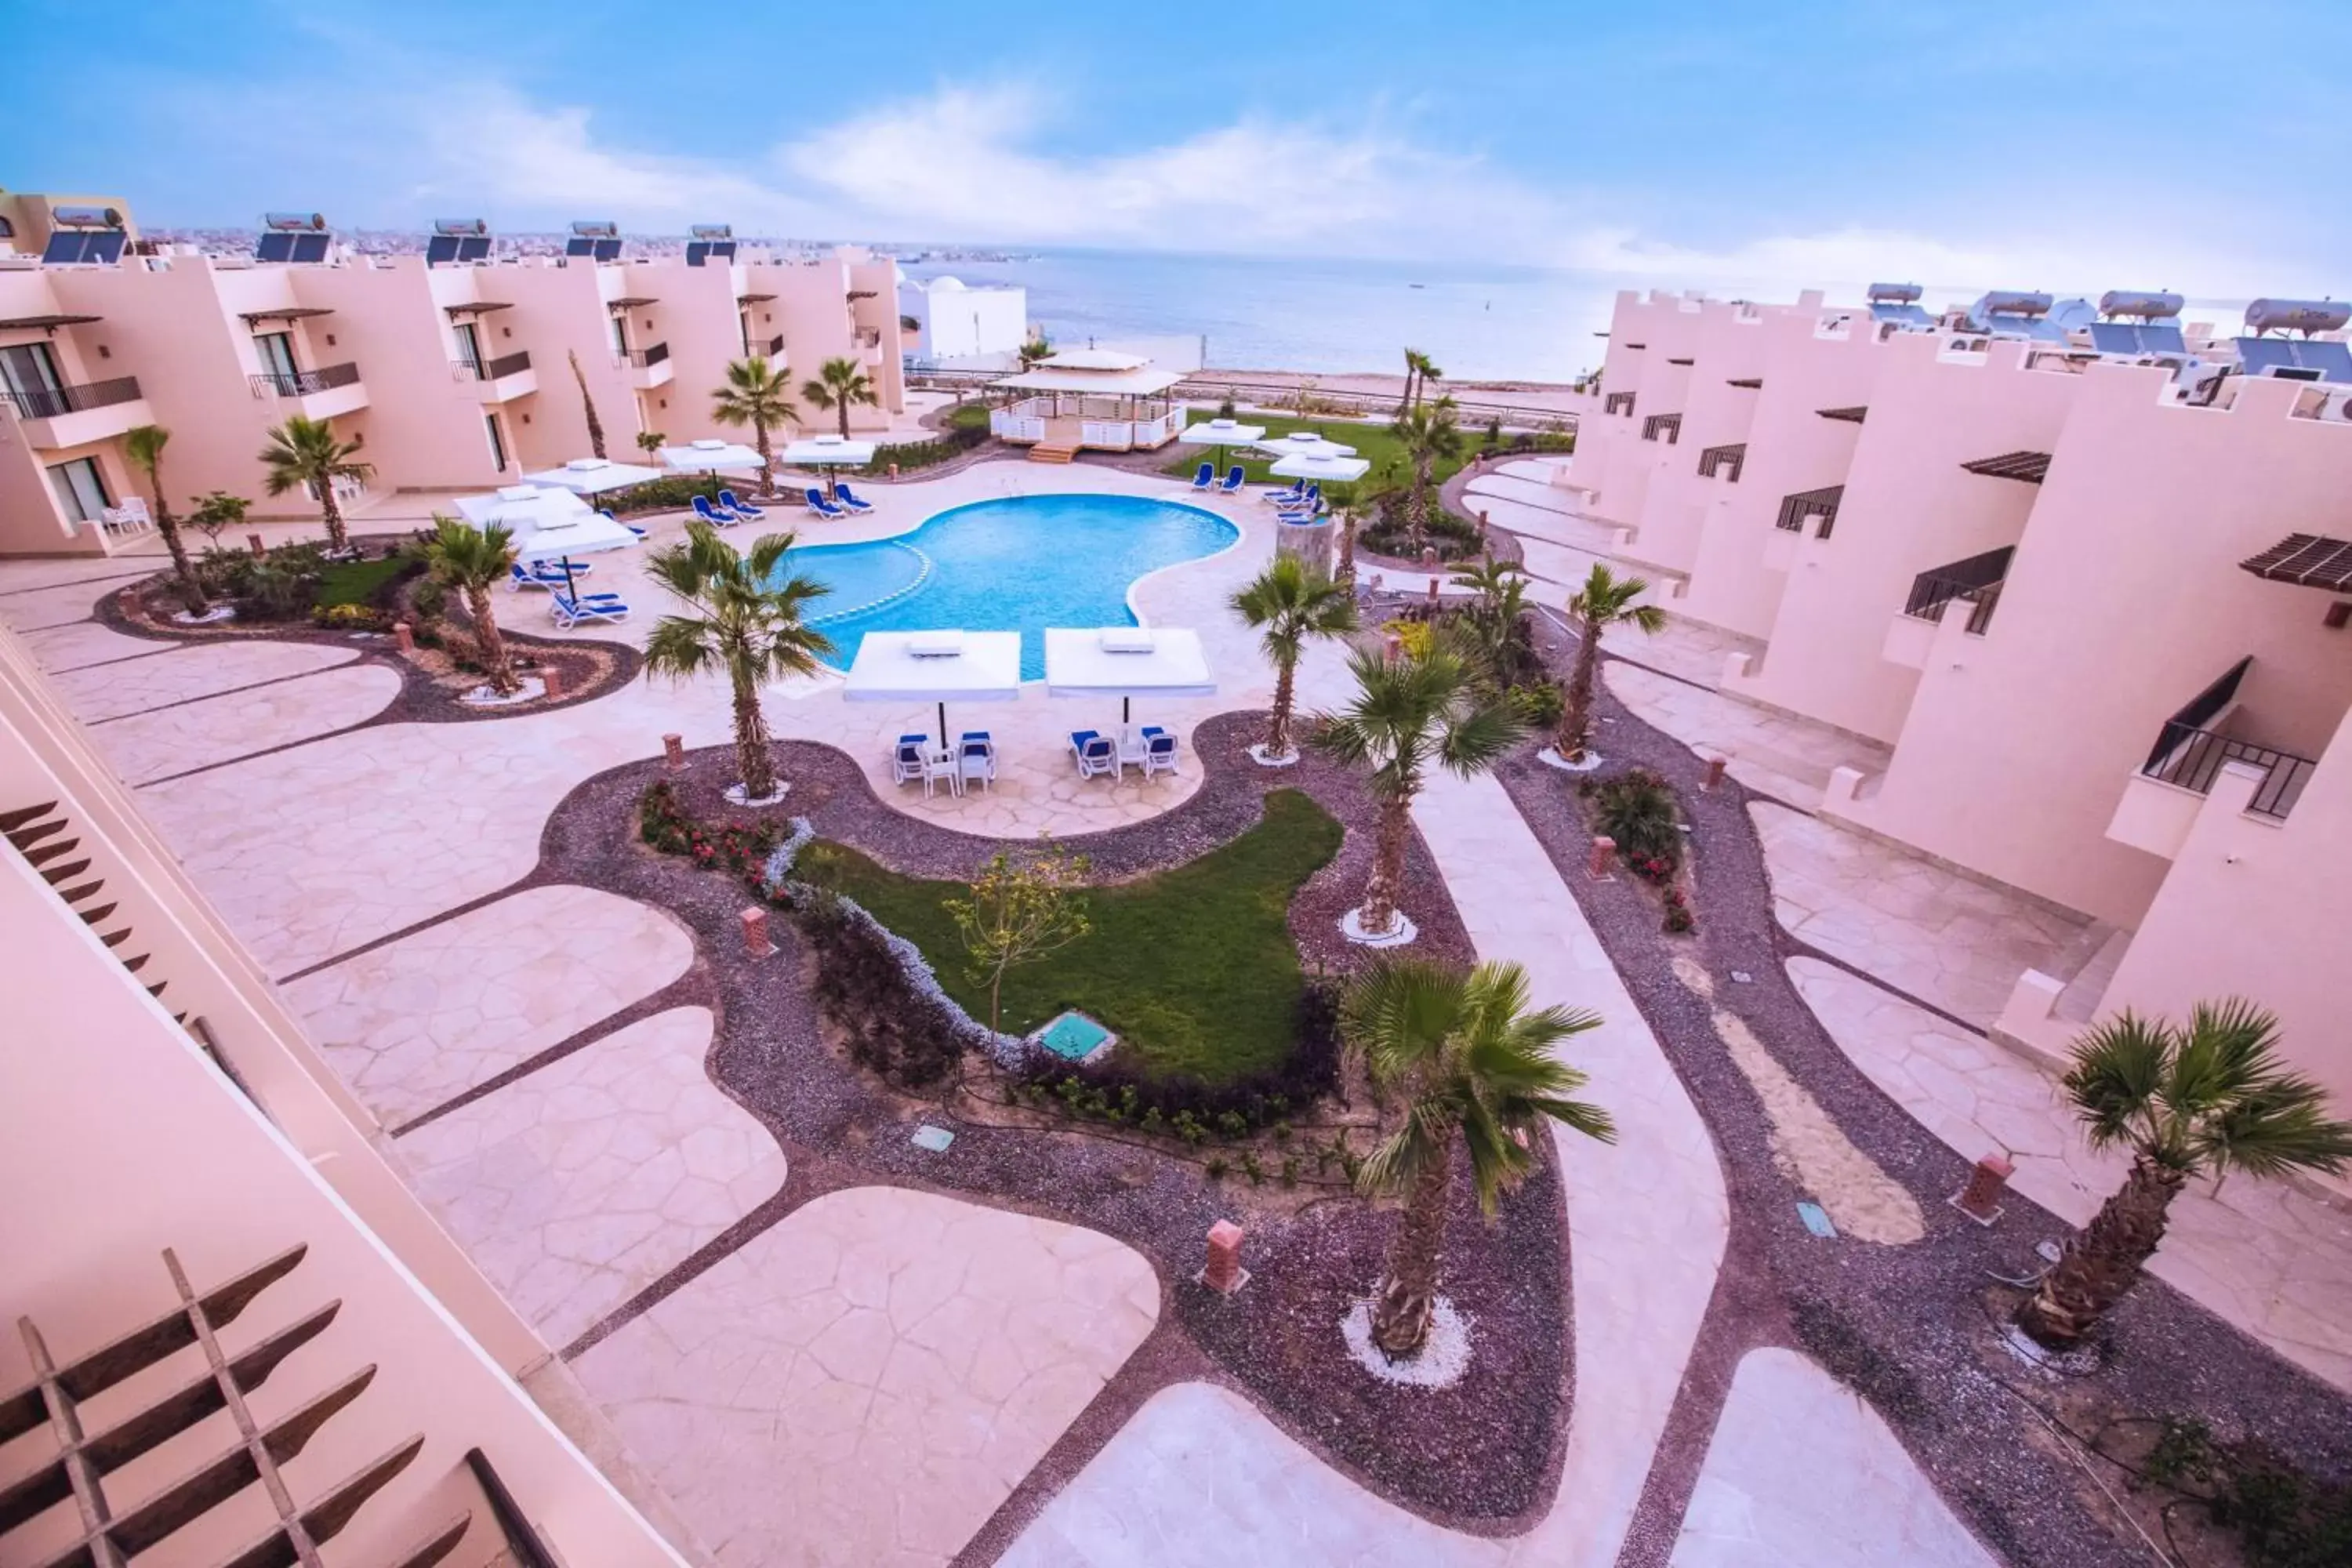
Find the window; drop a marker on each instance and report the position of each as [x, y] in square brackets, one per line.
[28, 371]
[276, 351]
[470, 346]
[743, 322]
[497, 442]
[81, 490]
[620, 335]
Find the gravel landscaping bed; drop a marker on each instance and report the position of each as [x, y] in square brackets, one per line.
[1483, 1455]
[1912, 1328]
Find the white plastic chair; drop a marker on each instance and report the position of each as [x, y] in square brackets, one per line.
[907, 763]
[938, 765]
[977, 759]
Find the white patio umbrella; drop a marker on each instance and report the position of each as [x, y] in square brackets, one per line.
[936, 666]
[711, 458]
[1222, 434]
[1126, 662]
[828, 452]
[1328, 470]
[593, 476]
[1302, 444]
[546, 524]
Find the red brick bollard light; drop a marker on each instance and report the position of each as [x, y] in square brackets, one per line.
[1223, 1272]
[1601, 864]
[755, 934]
[1987, 1185]
[674, 753]
[404, 637]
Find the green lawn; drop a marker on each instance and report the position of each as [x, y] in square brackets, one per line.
[968, 417]
[356, 582]
[1193, 968]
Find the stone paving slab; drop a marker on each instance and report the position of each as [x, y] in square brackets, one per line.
[865, 1382]
[168, 741]
[1930, 933]
[34, 609]
[1801, 1472]
[2261, 1255]
[1780, 756]
[577, 1186]
[412, 1025]
[187, 674]
[78, 644]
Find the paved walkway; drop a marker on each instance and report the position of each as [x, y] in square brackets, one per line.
[1776, 754]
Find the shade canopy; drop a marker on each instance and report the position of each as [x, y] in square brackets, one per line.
[710, 457]
[1127, 661]
[1221, 432]
[546, 524]
[824, 451]
[1302, 444]
[1141, 383]
[594, 476]
[936, 666]
[1328, 470]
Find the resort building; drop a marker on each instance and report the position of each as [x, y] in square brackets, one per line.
[451, 374]
[962, 327]
[1093, 400]
[198, 1203]
[2006, 542]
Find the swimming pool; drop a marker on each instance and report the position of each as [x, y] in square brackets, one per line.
[1017, 564]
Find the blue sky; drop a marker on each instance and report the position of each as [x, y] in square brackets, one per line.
[1774, 141]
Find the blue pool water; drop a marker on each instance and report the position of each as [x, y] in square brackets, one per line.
[1019, 564]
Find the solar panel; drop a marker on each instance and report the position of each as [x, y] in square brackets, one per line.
[2332, 360]
[2131, 338]
[2033, 328]
[310, 247]
[65, 245]
[473, 248]
[2162, 338]
[578, 246]
[1908, 315]
[275, 246]
[608, 250]
[2311, 359]
[440, 249]
[697, 253]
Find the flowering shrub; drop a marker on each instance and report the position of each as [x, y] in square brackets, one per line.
[352, 619]
[742, 850]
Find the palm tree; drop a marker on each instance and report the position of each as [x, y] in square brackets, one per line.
[1345, 574]
[1428, 434]
[595, 426]
[1409, 712]
[1475, 1067]
[748, 620]
[2211, 1097]
[1290, 602]
[143, 446]
[1423, 372]
[1412, 358]
[837, 385]
[306, 454]
[651, 442]
[1033, 351]
[473, 561]
[1493, 616]
[1605, 600]
[756, 395]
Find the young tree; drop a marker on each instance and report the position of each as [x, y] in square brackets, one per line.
[216, 513]
[2210, 1098]
[473, 561]
[1429, 434]
[1290, 602]
[143, 445]
[1410, 712]
[1019, 911]
[1605, 600]
[588, 406]
[1475, 1068]
[306, 454]
[757, 395]
[651, 442]
[839, 385]
[746, 621]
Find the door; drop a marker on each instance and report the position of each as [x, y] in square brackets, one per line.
[277, 350]
[28, 373]
[498, 441]
[620, 335]
[470, 347]
[81, 490]
[743, 329]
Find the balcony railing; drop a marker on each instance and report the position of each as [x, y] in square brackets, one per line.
[1618, 403]
[640, 359]
[494, 369]
[1977, 580]
[1821, 503]
[302, 383]
[776, 346]
[2193, 758]
[49, 402]
[1669, 426]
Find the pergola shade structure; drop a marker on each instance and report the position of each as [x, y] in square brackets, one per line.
[2029, 466]
[1821, 503]
[1088, 400]
[1854, 415]
[1723, 461]
[2307, 560]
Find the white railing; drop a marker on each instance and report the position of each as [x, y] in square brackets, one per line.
[1010, 426]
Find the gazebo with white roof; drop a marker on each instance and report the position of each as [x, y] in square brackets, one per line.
[1091, 400]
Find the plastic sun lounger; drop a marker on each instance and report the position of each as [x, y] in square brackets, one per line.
[1158, 754]
[740, 508]
[717, 517]
[1094, 753]
[843, 496]
[907, 762]
[1233, 484]
[568, 611]
[1205, 477]
[643, 533]
[542, 575]
[822, 507]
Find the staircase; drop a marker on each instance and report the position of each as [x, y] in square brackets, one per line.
[43, 835]
[1050, 452]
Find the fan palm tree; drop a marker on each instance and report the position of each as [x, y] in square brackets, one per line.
[588, 404]
[1428, 434]
[1345, 574]
[1475, 1067]
[143, 446]
[1290, 602]
[755, 394]
[1410, 712]
[837, 386]
[1501, 599]
[1033, 351]
[1412, 358]
[747, 620]
[2211, 1097]
[473, 561]
[307, 454]
[1605, 600]
[1423, 372]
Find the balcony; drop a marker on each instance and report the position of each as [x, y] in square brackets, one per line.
[647, 368]
[1975, 582]
[320, 394]
[72, 416]
[2160, 803]
[499, 380]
